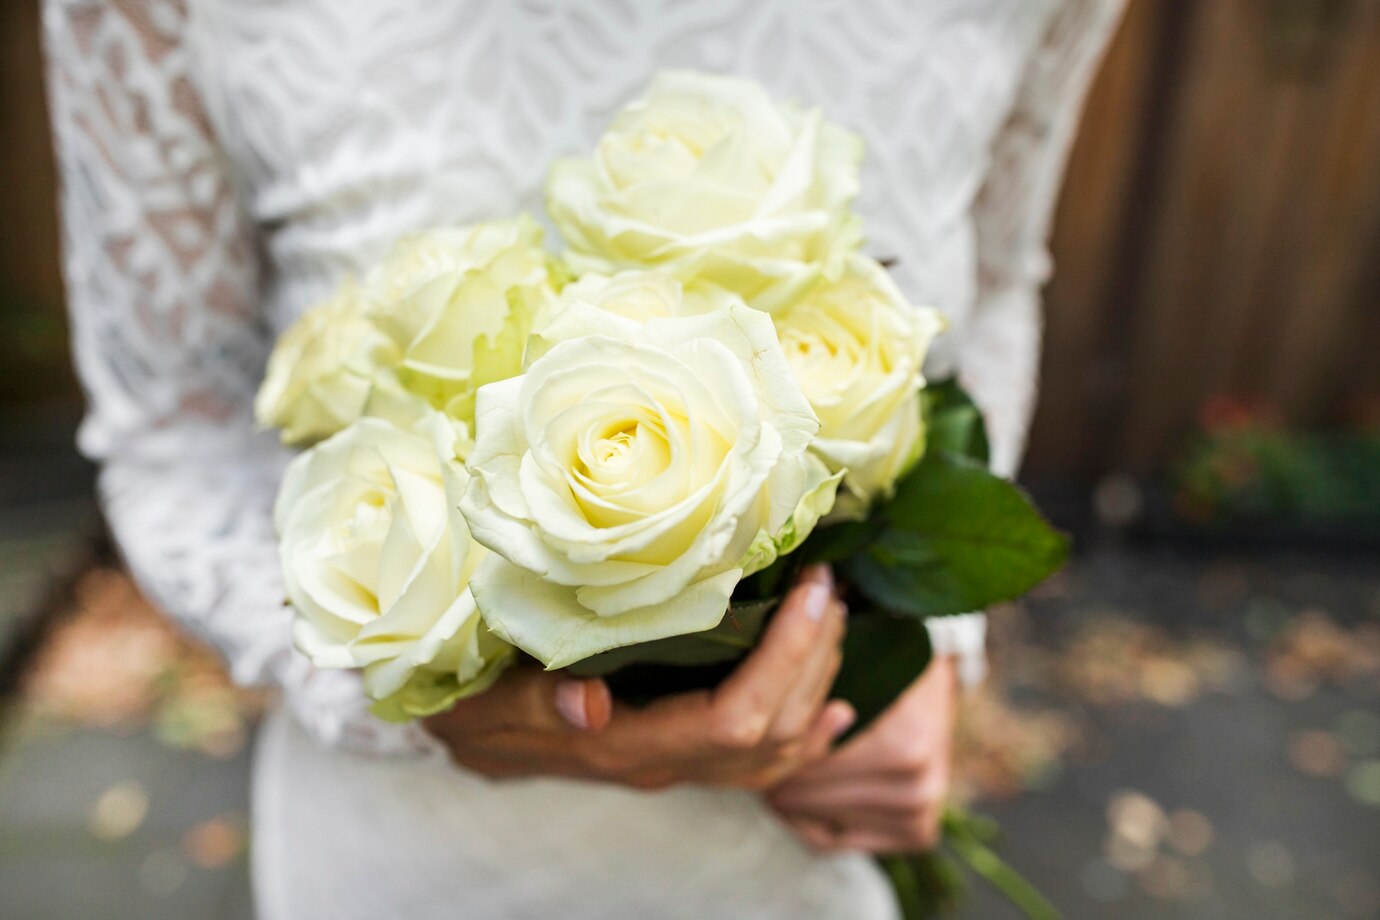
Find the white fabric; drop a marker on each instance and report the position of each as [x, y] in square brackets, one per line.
[963, 638]
[502, 849]
[226, 162]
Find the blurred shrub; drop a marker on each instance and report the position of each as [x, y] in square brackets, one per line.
[1244, 468]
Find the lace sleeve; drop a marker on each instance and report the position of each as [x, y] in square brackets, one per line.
[999, 357]
[162, 286]
[1000, 353]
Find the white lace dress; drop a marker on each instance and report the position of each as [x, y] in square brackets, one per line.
[226, 162]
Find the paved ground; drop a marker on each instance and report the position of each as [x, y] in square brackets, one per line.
[1277, 754]
[96, 823]
[66, 800]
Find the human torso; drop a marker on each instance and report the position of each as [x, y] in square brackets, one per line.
[349, 122]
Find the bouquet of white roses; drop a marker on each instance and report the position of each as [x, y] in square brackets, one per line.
[612, 461]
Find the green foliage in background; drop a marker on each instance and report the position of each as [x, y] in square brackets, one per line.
[1257, 474]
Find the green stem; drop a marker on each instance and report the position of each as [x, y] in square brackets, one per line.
[963, 839]
[902, 875]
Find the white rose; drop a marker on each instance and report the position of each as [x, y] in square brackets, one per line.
[857, 347]
[378, 559]
[624, 481]
[708, 177]
[619, 304]
[446, 311]
[458, 304]
[321, 369]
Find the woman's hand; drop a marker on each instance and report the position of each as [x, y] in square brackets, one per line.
[767, 720]
[884, 790]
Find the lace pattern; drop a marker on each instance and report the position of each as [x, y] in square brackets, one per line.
[163, 284]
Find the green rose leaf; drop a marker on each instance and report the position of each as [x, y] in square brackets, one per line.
[882, 656]
[953, 422]
[735, 635]
[954, 538]
[837, 543]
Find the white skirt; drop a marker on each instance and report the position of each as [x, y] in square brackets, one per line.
[352, 838]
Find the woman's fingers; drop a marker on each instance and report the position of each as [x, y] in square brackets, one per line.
[865, 755]
[734, 734]
[876, 832]
[830, 835]
[863, 795]
[912, 737]
[775, 763]
[867, 840]
[760, 726]
[910, 810]
[835, 719]
[584, 704]
[884, 791]
[817, 835]
[526, 698]
[807, 696]
[747, 702]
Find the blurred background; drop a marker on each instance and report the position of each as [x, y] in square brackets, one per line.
[1185, 723]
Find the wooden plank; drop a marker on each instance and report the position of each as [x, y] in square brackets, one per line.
[1089, 229]
[29, 232]
[1336, 229]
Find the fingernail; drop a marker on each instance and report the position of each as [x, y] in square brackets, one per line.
[817, 598]
[570, 703]
[819, 574]
[844, 720]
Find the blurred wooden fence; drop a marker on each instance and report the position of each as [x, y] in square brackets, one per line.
[33, 358]
[1219, 231]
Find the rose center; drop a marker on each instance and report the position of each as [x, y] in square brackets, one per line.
[623, 453]
[823, 364]
[358, 537]
[611, 450]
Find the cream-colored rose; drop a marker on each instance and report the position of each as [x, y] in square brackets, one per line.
[624, 481]
[321, 369]
[458, 304]
[446, 311]
[708, 177]
[857, 347]
[378, 559]
[619, 304]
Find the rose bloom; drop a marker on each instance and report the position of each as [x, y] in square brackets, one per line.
[378, 559]
[321, 369]
[621, 303]
[707, 177]
[458, 304]
[445, 312]
[856, 346]
[630, 478]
